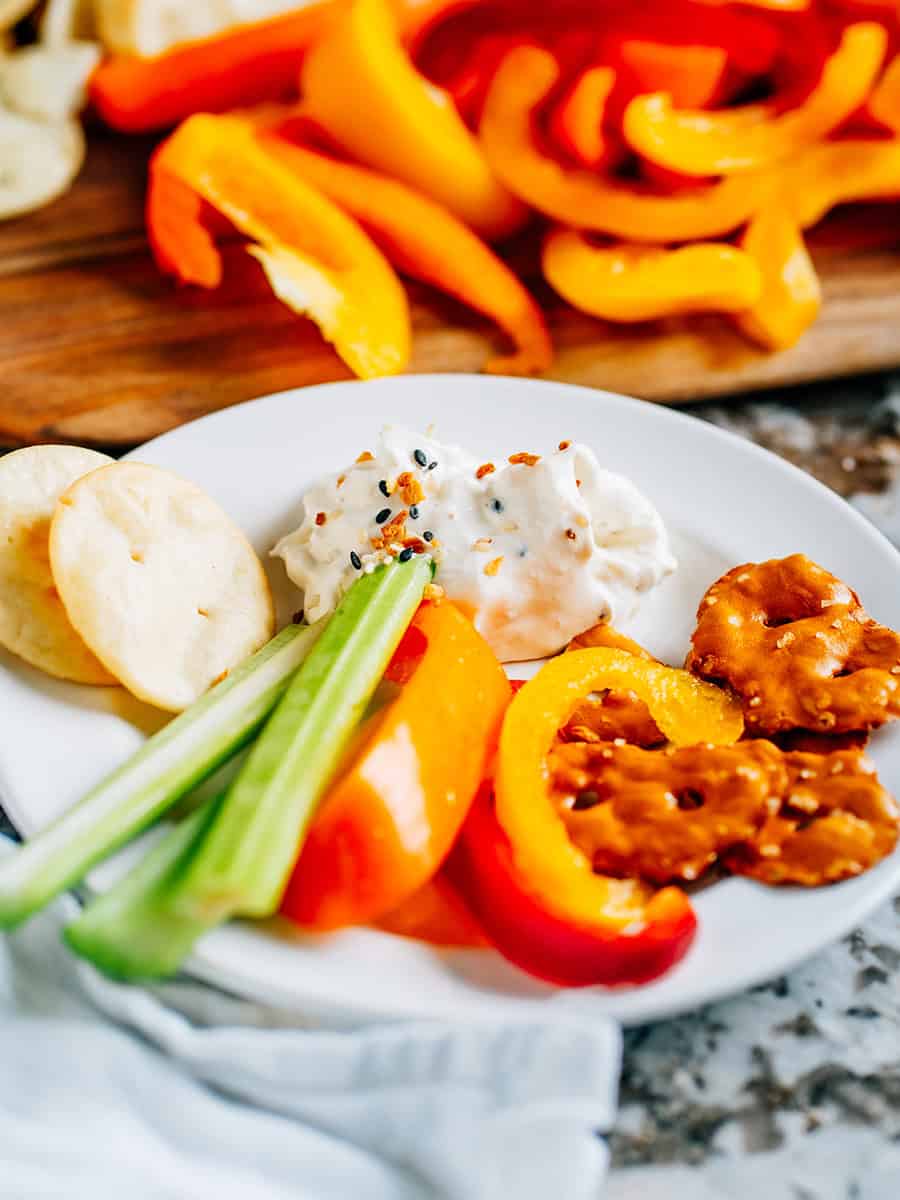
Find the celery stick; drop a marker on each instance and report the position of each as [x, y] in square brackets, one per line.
[245, 860]
[172, 762]
[131, 932]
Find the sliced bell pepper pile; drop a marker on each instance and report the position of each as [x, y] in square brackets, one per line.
[703, 143]
[361, 86]
[791, 296]
[317, 259]
[586, 200]
[533, 891]
[642, 283]
[427, 242]
[391, 819]
[243, 66]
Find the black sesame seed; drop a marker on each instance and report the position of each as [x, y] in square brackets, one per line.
[405, 555]
[355, 560]
[432, 465]
[497, 506]
[585, 799]
[383, 487]
[382, 516]
[421, 457]
[414, 512]
[428, 535]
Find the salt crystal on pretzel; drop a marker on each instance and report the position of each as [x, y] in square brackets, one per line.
[796, 645]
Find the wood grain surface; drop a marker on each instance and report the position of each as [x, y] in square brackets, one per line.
[96, 347]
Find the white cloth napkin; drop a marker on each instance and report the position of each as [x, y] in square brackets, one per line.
[111, 1092]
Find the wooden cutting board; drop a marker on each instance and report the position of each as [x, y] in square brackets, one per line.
[96, 347]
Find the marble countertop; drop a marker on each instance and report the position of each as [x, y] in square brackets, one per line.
[792, 1090]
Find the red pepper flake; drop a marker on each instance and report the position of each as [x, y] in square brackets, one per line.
[529, 460]
[494, 566]
[415, 544]
[321, 518]
[410, 488]
[394, 531]
[341, 480]
[571, 535]
[578, 483]
[485, 469]
[564, 445]
[366, 456]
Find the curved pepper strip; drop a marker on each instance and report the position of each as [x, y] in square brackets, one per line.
[425, 241]
[388, 823]
[643, 283]
[243, 66]
[580, 198]
[791, 295]
[840, 172]
[531, 888]
[360, 85]
[691, 75]
[577, 121]
[317, 259]
[703, 143]
[884, 103]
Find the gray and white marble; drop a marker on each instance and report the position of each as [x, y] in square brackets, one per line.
[790, 1091]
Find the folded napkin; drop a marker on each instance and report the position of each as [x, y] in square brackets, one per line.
[182, 1092]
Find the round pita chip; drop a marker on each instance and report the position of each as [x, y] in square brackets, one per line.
[33, 622]
[159, 581]
[48, 83]
[40, 161]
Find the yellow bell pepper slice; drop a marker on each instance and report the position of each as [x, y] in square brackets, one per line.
[361, 86]
[697, 142]
[840, 172]
[317, 259]
[586, 200]
[791, 295]
[643, 283]
[884, 103]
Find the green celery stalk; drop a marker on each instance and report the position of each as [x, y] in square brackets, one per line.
[244, 862]
[132, 932]
[166, 767]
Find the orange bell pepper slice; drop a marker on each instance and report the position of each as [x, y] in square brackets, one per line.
[691, 75]
[643, 283]
[840, 172]
[535, 892]
[361, 86]
[577, 121]
[884, 103]
[386, 826]
[791, 295]
[436, 914]
[703, 143]
[317, 259]
[424, 240]
[243, 66]
[585, 200]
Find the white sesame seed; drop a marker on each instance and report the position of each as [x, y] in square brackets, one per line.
[743, 577]
[755, 701]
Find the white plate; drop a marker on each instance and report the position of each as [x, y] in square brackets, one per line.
[725, 501]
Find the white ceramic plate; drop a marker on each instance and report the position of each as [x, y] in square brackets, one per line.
[725, 502]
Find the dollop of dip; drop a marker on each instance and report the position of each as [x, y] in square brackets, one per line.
[535, 549]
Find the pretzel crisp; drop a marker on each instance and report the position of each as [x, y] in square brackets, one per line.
[798, 648]
[613, 714]
[670, 814]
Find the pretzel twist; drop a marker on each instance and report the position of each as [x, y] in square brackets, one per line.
[780, 817]
[795, 644]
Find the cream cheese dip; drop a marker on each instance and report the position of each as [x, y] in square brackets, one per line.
[535, 549]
